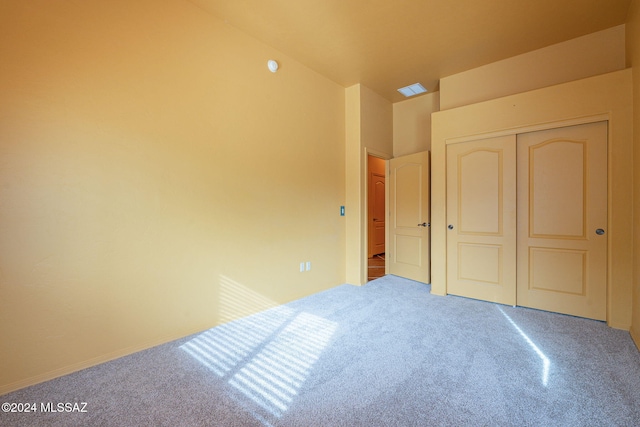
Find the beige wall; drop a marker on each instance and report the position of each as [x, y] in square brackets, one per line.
[369, 130]
[586, 56]
[412, 124]
[354, 208]
[602, 97]
[156, 180]
[377, 122]
[633, 59]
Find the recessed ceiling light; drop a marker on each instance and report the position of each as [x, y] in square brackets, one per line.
[411, 90]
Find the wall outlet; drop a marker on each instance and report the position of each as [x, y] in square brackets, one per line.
[301, 267]
[308, 265]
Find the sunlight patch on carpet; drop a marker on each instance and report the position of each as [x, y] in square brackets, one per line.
[546, 363]
[266, 356]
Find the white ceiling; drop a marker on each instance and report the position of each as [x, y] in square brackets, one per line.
[388, 44]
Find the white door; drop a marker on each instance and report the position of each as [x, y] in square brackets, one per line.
[481, 219]
[562, 220]
[409, 217]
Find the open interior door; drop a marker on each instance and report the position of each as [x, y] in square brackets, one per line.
[409, 217]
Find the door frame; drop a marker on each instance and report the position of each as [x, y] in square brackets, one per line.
[606, 97]
[370, 224]
[364, 256]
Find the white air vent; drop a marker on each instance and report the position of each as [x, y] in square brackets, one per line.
[411, 90]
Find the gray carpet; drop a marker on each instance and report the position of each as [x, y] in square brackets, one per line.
[385, 354]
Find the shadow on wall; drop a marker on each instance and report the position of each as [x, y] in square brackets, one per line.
[265, 357]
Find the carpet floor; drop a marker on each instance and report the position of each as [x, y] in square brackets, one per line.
[385, 354]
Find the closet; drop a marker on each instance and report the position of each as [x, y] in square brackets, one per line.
[527, 217]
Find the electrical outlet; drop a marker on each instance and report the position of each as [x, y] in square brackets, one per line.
[308, 265]
[301, 267]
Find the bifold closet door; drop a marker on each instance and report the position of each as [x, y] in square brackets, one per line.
[481, 219]
[562, 220]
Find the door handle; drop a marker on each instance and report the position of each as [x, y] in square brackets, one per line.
[450, 226]
[425, 224]
[599, 231]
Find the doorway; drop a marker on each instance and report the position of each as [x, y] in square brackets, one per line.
[376, 224]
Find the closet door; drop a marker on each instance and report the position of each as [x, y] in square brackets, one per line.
[562, 220]
[481, 218]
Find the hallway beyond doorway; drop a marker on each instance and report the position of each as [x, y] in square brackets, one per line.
[376, 266]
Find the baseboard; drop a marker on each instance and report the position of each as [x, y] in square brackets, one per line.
[615, 325]
[635, 336]
[75, 367]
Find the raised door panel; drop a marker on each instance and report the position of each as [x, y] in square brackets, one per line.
[557, 188]
[480, 191]
[481, 235]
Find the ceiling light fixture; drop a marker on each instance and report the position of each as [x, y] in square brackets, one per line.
[411, 90]
[273, 65]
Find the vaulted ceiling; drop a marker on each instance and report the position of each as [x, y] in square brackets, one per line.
[387, 44]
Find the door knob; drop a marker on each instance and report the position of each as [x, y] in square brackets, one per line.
[599, 231]
[450, 226]
[424, 224]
